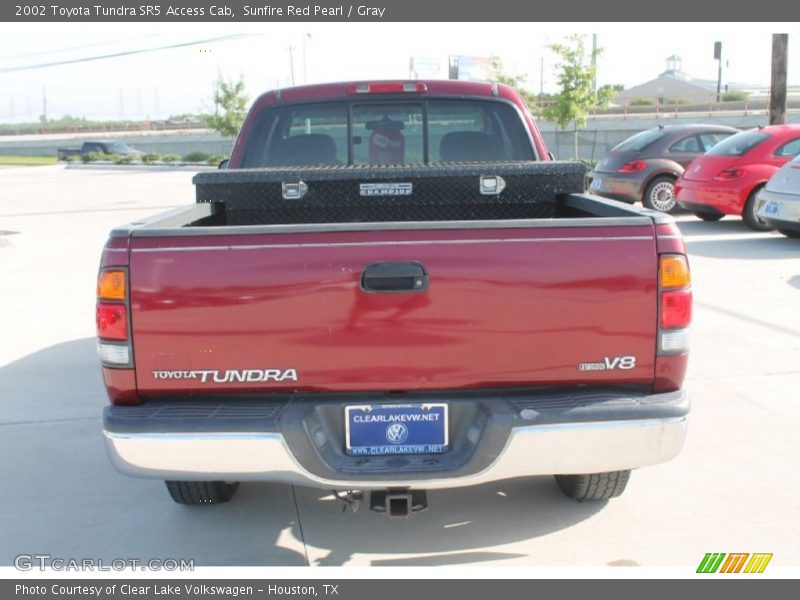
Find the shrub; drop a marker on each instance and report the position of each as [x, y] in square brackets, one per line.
[734, 97]
[123, 159]
[196, 157]
[214, 160]
[74, 158]
[93, 157]
[171, 158]
[642, 102]
[150, 158]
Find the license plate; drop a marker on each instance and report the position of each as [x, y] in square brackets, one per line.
[597, 184]
[772, 208]
[379, 429]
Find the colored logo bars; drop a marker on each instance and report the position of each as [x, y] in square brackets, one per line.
[716, 562]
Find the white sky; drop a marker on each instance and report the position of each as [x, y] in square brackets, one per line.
[174, 81]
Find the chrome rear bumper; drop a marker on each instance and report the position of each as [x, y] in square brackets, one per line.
[529, 450]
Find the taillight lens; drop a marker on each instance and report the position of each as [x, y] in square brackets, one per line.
[676, 309]
[674, 272]
[633, 166]
[112, 321]
[111, 317]
[676, 304]
[111, 285]
[388, 87]
[730, 174]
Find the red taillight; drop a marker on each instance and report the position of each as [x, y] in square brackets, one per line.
[676, 309]
[633, 166]
[388, 87]
[730, 174]
[112, 321]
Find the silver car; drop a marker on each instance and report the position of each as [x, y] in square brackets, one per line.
[779, 202]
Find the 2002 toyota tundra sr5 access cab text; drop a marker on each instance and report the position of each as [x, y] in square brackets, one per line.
[392, 288]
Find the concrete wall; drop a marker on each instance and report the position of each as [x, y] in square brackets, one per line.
[594, 141]
[164, 142]
[600, 135]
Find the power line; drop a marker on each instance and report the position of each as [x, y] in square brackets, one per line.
[129, 52]
[82, 47]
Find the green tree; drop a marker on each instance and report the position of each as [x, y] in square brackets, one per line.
[606, 93]
[576, 97]
[230, 106]
[514, 81]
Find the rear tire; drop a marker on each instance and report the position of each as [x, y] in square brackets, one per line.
[790, 233]
[660, 194]
[749, 215]
[593, 486]
[201, 492]
[708, 216]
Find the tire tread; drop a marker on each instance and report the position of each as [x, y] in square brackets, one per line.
[201, 492]
[594, 486]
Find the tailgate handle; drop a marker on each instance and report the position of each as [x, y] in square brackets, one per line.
[394, 277]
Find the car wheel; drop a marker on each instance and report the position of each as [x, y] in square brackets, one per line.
[789, 233]
[749, 215]
[593, 486]
[660, 194]
[708, 216]
[201, 492]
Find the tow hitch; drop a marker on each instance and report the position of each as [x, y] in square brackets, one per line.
[398, 504]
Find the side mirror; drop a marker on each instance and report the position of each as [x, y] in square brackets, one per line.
[223, 164]
[550, 155]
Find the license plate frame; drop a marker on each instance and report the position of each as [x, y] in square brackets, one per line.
[419, 428]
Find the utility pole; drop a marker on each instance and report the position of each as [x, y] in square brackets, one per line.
[291, 62]
[777, 95]
[44, 109]
[305, 75]
[541, 80]
[718, 56]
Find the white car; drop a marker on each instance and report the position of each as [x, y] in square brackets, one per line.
[779, 202]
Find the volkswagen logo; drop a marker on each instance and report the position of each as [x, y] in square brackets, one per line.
[397, 433]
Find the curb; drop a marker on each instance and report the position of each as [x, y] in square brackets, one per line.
[113, 167]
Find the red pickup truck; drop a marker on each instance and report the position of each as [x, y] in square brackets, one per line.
[392, 287]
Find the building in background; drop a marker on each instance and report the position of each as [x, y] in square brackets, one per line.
[670, 85]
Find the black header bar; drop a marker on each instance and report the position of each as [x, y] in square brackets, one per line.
[321, 11]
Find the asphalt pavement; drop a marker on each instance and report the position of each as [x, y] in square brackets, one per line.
[734, 488]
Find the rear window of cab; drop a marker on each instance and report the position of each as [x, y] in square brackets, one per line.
[387, 132]
[739, 144]
[640, 141]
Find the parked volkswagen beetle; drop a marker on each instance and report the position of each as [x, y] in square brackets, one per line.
[644, 167]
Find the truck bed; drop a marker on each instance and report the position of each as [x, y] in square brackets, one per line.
[220, 308]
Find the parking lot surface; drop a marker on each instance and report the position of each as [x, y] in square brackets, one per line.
[734, 488]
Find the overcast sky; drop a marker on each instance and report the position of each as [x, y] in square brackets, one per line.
[170, 81]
